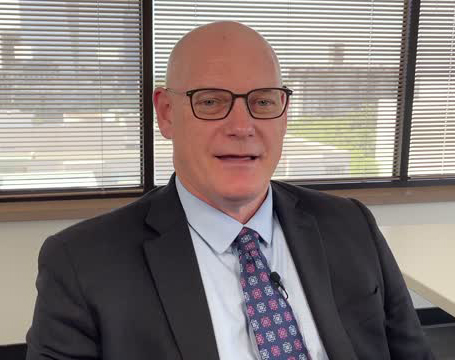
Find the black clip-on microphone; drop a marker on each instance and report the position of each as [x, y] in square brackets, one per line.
[276, 278]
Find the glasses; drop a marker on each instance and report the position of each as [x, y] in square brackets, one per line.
[216, 104]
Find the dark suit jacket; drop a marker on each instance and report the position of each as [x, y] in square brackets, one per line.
[126, 285]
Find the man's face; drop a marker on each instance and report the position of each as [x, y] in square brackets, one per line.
[231, 159]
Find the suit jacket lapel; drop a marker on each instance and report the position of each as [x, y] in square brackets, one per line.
[307, 249]
[173, 264]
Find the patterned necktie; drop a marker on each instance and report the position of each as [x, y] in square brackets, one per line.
[270, 315]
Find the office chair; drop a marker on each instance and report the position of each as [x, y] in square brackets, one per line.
[13, 352]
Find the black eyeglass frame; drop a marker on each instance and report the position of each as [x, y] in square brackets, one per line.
[190, 94]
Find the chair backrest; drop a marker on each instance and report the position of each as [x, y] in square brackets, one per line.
[13, 352]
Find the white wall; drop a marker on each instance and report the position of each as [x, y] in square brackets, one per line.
[20, 243]
[19, 246]
[415, 214]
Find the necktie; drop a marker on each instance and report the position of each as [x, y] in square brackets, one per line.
[270, 315]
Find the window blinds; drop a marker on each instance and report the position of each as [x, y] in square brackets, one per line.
[432, 151]
[341, 58]
[70, 95]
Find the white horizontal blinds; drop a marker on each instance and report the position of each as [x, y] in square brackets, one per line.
[432, 151]
[70, 94]
[341, 58]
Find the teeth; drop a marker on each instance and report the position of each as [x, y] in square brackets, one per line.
[237, 157]
[240, 157]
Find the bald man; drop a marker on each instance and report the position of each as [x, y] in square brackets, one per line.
[223, 263]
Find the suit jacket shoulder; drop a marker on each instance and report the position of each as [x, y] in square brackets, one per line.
[368, 289]
[126, 217]
[105, 287]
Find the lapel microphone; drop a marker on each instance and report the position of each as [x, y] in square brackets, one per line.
[276, 278]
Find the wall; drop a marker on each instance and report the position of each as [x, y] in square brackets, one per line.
[20, 243]
[415, 214]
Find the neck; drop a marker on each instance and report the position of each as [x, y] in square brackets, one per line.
[241, 210]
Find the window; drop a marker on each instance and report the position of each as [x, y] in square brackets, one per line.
[432, 151]
[343, 61]
[70, 95]
[372, 85]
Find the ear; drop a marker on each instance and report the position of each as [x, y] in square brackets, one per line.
[285, 125]
[285, 119]
[285, 122]
[163, 105]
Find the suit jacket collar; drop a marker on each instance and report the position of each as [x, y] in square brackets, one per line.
[173, 264]
[307, 249]
[172, 261]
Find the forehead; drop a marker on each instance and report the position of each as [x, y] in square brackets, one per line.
[237, 64]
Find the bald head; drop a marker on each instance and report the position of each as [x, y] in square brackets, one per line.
[227, 161]
[208, 45]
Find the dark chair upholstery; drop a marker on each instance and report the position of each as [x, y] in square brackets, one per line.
[13, 352]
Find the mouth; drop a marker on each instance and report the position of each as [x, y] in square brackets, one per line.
[237, 157]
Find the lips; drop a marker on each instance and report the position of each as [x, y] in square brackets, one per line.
[237, 157]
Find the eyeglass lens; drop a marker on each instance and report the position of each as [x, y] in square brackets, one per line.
[262, 103]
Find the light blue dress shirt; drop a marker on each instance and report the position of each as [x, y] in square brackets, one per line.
[213, 233]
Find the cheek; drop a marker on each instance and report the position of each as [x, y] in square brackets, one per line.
[278, 143]
[284, 125]
[191, 140]
[275, 138]
[182, 128]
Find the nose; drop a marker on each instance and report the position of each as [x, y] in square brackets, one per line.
[239, 121]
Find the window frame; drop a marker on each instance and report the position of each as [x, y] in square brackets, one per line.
[399, 180]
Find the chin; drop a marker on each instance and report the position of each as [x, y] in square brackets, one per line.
[242, 192]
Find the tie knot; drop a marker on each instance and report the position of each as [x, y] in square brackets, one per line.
[247, 241]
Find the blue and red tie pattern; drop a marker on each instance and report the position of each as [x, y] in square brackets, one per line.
[270, 315]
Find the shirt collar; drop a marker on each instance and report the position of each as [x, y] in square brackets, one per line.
[219, 230]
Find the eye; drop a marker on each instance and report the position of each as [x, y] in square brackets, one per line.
[208, 102]
[264, 102]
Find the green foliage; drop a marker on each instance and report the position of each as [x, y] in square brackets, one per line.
[355, 132]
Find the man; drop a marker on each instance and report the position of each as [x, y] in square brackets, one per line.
[221, 263]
